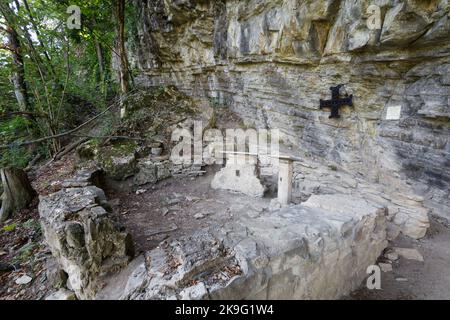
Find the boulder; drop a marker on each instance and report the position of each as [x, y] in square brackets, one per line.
[119, 167]
[84, 177]
[118, 161]
[62, 294]
[147, 173]
[163, 170]
[409, 253]
[84, 240]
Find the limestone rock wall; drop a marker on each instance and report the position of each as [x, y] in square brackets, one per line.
[271, 62]
[83, 238]
[300, 252]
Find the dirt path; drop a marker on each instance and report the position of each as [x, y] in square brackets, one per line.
[426, 280]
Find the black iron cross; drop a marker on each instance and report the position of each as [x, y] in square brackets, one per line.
[336, 101]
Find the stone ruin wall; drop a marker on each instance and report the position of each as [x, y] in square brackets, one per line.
[318, 250]
[309, 251]
[271, 62]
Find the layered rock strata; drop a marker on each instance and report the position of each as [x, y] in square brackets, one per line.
[272, 61]
[85, 241]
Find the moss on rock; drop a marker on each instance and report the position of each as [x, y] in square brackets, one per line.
[118, 160]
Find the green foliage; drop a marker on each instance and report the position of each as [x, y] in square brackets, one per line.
[13, 126]
[160, 91]
[32, 224]
[333, 167]
[9, 227]
[216, 103]
[24, 253]
[16, 156]
[10, 130]
[65, 77]
[108, 125]
[6, 90]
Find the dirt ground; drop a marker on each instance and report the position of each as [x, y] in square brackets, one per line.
[427, 280]
[178, 206]
[22, 250]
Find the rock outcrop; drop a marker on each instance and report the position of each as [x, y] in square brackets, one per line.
[298, 252]
[406, 212]
[272, 61]
[83, 238]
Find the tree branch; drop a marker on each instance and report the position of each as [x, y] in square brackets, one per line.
[7, 115]
[111, 137]
[4, 30]
[56, 136]
[6, 47]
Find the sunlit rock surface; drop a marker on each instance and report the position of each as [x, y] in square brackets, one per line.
[86, 243]
[298, 252]
[271, 62]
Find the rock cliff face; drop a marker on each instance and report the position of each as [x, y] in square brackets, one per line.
[271, 62]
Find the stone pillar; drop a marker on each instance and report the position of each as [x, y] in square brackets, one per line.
[285, 181]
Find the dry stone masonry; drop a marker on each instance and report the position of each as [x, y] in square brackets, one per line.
[298, 252]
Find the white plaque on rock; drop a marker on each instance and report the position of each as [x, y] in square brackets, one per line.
[393, 113]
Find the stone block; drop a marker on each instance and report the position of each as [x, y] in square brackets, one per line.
[147, 173]
[85, 242]
[241, 178]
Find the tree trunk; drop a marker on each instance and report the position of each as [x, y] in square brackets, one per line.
[18, 74]
[99, 50]
[38, 34]
[123, 67]
[15, 46]
[123, 70]
[17, 192]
